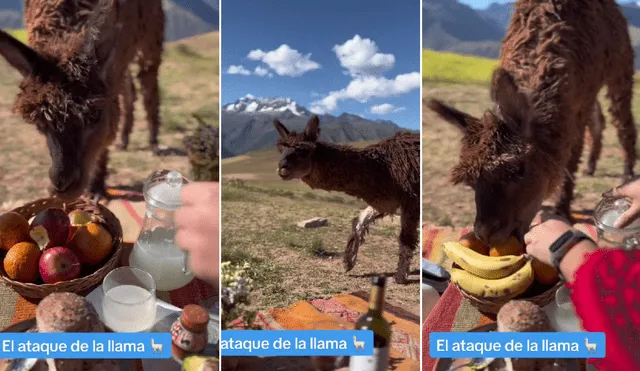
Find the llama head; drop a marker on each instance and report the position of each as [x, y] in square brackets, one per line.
[297, 149]
[63, 93]
[496, 161]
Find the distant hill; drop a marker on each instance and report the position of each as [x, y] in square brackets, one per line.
[455, 27]
[247, 125]
[185, 18]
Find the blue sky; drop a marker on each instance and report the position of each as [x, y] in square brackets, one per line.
[481, 4]
[333, 56]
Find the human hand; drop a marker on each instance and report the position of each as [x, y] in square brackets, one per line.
[547, 228]
[198, 230]
[629, 190]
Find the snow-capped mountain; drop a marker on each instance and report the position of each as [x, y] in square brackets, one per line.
[247, 125]
[251, 104]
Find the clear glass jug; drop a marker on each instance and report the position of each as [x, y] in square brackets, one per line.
[607, 212]
[155, 250]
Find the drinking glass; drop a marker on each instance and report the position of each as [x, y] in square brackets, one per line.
[129, 303]
[605, 215]
[328, 363]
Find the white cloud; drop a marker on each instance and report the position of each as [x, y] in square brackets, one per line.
[364, 88]
[285, 61]
[262, 72]
[385, 109]
[362, 57]
[238, 70]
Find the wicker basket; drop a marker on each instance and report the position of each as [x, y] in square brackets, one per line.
[84, 283]
[493, 305]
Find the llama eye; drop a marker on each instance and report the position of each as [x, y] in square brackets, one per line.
[521, 172]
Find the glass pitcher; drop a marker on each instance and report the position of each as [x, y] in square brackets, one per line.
[155, 251]
[607, 212]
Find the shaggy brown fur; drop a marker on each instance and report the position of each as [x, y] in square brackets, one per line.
[385, 175]
[555, 58]
[593, 138]
[73, 70]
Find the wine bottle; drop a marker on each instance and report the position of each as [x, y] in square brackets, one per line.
[374, 321]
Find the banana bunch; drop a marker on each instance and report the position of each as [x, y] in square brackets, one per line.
[484, 276]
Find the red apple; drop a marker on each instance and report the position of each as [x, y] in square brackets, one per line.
[59, 264]
[50, 228]
[78, 218]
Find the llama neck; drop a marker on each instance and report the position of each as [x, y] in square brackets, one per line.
[341, 169]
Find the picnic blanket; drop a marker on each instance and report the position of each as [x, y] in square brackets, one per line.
[346, 308]
[453, 313]
[15, 308]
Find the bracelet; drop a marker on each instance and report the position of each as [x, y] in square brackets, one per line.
[560, 247]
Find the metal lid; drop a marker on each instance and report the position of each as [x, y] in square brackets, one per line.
[378, 280]
[163, 189]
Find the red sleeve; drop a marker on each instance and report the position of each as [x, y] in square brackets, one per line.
[606, 295]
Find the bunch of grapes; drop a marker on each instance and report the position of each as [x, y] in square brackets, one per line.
[203, 150]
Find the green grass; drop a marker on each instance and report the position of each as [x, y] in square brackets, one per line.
[455, 68]
[19, 34]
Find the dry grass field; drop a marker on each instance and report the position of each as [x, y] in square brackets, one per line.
[259, 216]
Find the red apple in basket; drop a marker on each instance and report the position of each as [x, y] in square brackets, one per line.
[59, 264]
[50, 228]
[77, 219]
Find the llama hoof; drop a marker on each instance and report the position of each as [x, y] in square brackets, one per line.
[588, 172]
[155, 150]
[628, 177]
[122, 146]
[401, 278]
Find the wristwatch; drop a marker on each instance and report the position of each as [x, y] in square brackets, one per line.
[562, 245]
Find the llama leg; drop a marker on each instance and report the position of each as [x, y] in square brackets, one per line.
[150, 61]
[409, 239]
[97, 187]
[595, 127]
[359, 228]
[620, 92]
[127, 100]
[563, 203]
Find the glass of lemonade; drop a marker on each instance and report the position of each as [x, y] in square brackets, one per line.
[129, 303]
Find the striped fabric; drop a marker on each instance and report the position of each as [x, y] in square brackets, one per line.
[15, 308]
[453, 313]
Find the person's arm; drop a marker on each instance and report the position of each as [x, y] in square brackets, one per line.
[605, 291]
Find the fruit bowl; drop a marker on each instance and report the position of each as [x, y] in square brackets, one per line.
[91, 276]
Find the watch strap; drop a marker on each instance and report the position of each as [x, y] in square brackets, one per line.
[562, 245]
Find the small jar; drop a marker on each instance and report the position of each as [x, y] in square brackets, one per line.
[189, 332]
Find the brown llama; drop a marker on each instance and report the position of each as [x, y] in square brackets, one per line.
[554, 60]
[78, 55]
[385, 175]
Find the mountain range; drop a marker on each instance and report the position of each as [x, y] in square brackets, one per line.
[184, 18]
[449, 25]
[247, 125]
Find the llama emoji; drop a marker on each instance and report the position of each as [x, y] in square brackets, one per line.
[358, 344]
[157, 348]
[591, 348]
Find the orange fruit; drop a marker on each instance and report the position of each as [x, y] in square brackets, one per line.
[13, 229]
[92, 243]
[470, 240]
[510, 247]
[544, 273]
[21, 262]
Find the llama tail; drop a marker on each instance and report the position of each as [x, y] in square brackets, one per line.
[359, 229]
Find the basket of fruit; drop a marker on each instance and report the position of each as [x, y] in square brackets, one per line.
[491, 276]
[50, 246]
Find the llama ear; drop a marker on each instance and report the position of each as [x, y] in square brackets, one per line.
[512, 105]
[18, 55]
[312, 131]
[460, 119]
[281, 129]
